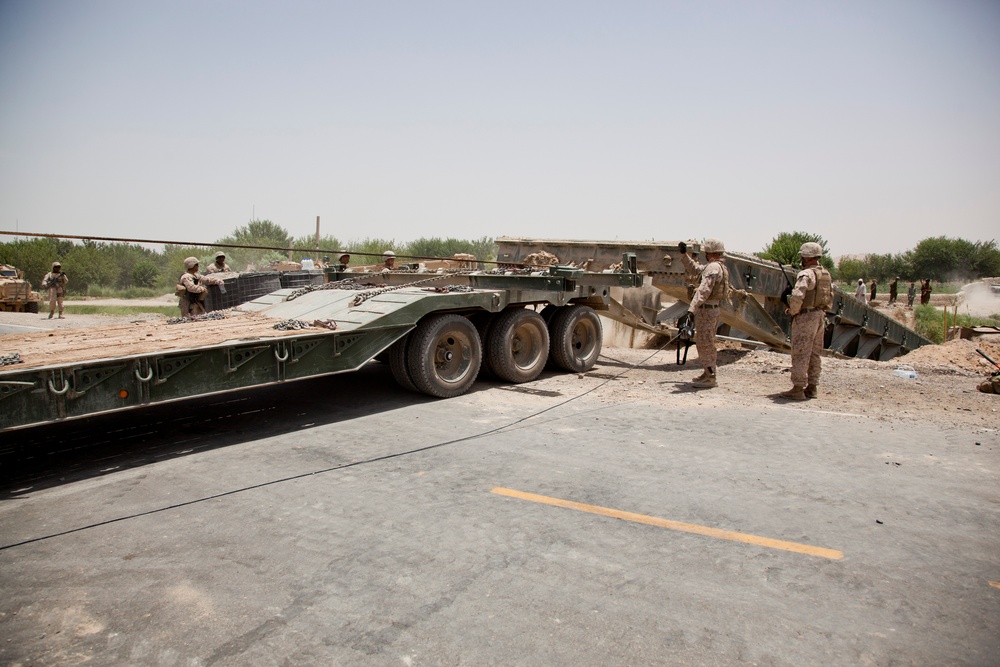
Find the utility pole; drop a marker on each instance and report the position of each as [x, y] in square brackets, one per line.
[316, 258]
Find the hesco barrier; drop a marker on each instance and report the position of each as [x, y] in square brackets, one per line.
[241, 289]
[301, 278]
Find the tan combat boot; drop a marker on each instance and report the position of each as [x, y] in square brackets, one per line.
[707, 382]
[796, 393]
[811, 391]
[704, 374]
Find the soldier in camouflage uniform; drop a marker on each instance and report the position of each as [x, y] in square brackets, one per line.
[811, 297]
[190, 291]
[219, 265]
[390, 261]
[55, 281]
[712, 289]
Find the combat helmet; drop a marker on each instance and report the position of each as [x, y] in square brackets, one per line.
[713, 246]
[811, 249]
[191, 262]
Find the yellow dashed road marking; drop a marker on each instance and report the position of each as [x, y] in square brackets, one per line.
[705, 531]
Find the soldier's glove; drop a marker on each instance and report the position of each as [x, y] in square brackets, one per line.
[683, 247]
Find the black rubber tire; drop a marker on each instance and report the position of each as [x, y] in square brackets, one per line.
[32, 307]
[398, 358]
[548, 311]
[576, 338]
[483, 321]
[518, 345]
[444, 355]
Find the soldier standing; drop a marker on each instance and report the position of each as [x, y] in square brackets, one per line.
[712, 289]
[811, 297]
[55, 280]
[219, 265]
[893, 290]
[189, 290]
[925, 292]
[911, 294]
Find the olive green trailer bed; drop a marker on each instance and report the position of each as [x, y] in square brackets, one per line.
[435, 333]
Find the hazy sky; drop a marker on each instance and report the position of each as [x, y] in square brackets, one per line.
[874, 123]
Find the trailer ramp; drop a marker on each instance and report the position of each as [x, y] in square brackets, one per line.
[853, 328]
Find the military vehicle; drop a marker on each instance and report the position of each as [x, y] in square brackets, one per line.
[15, 292]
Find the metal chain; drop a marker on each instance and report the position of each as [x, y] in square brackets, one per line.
[294, 325]
[364, 296]
[291, 325]
[10, 359]
[214, 315]
[347, 283]
[445, 289]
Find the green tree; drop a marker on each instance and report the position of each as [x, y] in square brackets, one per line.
[145, 273]
[87, 265]
[483, 248]
[255, 233]
[986, 259]
[123, 258]
[850, 269]
[329, 246]
[369, 251]
[785, 248]
[935, 258]
[34, 256]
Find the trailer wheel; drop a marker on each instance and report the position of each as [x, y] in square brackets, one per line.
[518, 345]
[576, 338]
[483, 321]
[444, 355]
[548, 311]
[397, 354]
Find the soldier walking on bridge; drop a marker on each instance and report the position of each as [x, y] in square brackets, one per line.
[811, 297]
[712, 289]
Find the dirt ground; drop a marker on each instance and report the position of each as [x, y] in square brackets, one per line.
[944, 393]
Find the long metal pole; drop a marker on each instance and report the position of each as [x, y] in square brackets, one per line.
[330, 251]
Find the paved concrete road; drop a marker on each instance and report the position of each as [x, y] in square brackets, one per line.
[17, 329]
[291, 527]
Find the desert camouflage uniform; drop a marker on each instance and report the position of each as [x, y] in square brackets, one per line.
[710, 291]
[807, 304]
[191, 301]
[215, 268]
[57, 289]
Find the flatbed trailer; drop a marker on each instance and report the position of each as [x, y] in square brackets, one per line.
[435, 332]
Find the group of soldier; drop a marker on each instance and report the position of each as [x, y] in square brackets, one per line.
[810, 298]
[191, 288]
[191, 285]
